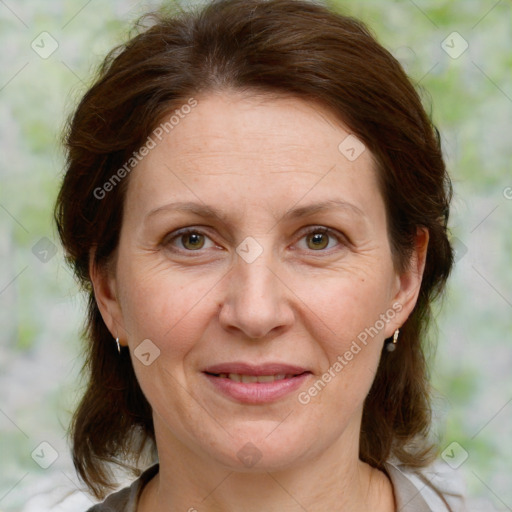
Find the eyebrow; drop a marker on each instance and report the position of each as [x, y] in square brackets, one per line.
[209, 212]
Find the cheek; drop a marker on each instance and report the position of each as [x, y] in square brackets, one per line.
[343, 306]
[164, 305]
[344, 317]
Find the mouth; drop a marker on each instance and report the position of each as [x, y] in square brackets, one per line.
[245, 383]
[268, 369]
[238, 377]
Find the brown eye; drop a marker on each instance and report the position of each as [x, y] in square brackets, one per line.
[317, 240]
[187, 241]
[192, 241]
[322, 240]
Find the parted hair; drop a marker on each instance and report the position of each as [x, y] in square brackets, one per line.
[293, 47]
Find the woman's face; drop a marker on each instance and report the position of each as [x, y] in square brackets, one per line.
[287, 262]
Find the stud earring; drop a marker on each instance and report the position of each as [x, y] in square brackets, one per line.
[391, 346]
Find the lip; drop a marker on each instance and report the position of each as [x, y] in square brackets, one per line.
[272, 368]
[256, 392]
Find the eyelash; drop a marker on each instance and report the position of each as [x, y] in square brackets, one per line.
[312, 230]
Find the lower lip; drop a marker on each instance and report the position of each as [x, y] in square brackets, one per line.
[257, 392]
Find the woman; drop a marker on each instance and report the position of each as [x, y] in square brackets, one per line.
[256, 204]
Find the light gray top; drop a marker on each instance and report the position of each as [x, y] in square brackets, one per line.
[435, 489]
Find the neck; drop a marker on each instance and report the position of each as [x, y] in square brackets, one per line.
[334, 480]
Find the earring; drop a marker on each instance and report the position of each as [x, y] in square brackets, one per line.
[118, 346]
[390, 346]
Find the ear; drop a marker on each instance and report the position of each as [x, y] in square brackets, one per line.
[103, 280]
[408, 283]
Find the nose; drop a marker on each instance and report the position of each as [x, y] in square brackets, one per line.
[257, 301]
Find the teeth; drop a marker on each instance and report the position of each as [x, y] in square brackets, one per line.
[269, 378]
[253, 378]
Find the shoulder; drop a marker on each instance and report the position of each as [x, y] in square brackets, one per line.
[437, 487]
[126, 499]
[116, 502]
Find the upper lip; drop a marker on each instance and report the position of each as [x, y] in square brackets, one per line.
[242, 368]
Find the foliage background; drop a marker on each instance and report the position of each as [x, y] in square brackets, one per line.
[470, 98]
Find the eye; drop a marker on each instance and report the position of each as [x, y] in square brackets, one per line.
[189, 240]
[320, 238]
[316, 239]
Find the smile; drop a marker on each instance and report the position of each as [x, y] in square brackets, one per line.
[237, 377]
[255, 389]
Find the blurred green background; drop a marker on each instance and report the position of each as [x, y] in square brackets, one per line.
[50, 51]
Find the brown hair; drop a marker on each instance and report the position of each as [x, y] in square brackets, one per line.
[294, 47]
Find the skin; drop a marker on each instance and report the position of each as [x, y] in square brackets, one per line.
[255, 159]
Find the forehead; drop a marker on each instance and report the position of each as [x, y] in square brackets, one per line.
[257, 125]
[275, 148]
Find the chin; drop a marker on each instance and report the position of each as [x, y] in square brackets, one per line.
[260, 453]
